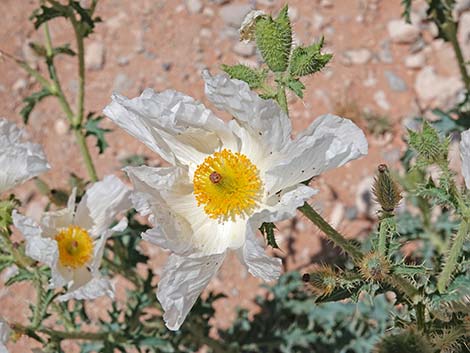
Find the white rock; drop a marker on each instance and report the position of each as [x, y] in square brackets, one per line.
[94, 57]
[319, 22]
[463, 34]
[436, 91]
[233, 14]
[381, 100]
[29, 55]
[460, 7]
[365, 204]
[415, 61]
[402, 32]
[337, 214]
[20, 85]
[193, 6]
[244, 49]
[61, 127]
[293, 13]
[358, 56]
[328, 4]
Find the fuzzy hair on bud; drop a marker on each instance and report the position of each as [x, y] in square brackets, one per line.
[386, 190]
[322, 281]
[406, 341]
[374, 267]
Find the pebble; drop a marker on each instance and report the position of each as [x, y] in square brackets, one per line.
[122, 83]
[327, 4]
[123, 60]
[402, 32]
[337, 214]
[365, 204]
[194, 6]
[233, 14]
[381, 100]
[205, 33]
[293, 13]
[61, 127]
[167, 66]
[29, 55]
[463, 34]
[208, 12]
[95, 56]
[244, 49]
[357, 56]
[434, 91]
[385, 53]
[395, 83]
[351, 213]
[319, 22]
[20, 85]
[269, 3]
[415, 61]
[460, 7]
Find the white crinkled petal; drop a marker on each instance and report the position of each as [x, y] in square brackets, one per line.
[329, 142]
[259, 264]
[153, 187]
[263, 117]
[175, 126]
[20, 160]
[38, 248]
[465, 156]
[182, 281]
[95, 288]
[101, 204]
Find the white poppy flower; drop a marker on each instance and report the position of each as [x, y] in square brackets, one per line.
[247, 27]
[19, 160]
[72, 241]
[465, 156]
[4, 335]
[226, 179]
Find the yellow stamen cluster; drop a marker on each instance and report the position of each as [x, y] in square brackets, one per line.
[227, 184]
[75, 246]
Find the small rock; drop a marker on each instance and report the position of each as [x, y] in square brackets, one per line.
[233, 15]
[463, 34]
[205, 32]
[208, 12]
[358, 56]
[269, 3]
[20, 85]
[351, 213]
[293, 13]
[219, 2]
[115, 22]
[402, 32]
[61, 127]
[337, 214]
[395, 82]
[29, 55]
[385, 53]
[381, 100]
[244, 49]
[436, 91]
[193, 6]
[122, 83]
[370, 81]
[167, 66]
[319, 22]
[327, 4]
[392, 156]
[415, 61]
[412, 123]
[94, 58]
[123, 60]
[460, 7]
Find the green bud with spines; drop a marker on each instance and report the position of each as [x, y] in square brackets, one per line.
[308, 60]
[429, 147]
[406, 341]
[253, 77]
[274, 40]
[386, 190]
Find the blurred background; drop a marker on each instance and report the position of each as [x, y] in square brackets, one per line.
[383, 73]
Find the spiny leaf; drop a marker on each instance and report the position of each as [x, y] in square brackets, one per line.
[406, 10]
[22, 275]
[92, 128]
[31, 101]
[274, 40]
[255, 78]
[297, 87]
[267, 229]
[45, 14]
[308, 60]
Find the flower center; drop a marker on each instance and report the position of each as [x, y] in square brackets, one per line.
[227, 184]
[75, 246]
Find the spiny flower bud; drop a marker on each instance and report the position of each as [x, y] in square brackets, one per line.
[322, 280]
[374, 266]
[386, 190]
[406, 341]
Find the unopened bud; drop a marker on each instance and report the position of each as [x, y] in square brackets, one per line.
[386, 190]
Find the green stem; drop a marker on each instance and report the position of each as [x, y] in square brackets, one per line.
[282, 98]
[420, 316]
[81, 72]
[81, 140]
[20, 259]
[337, 238]
[214, 345]
[39, 305]
[454, 254]
[450, 30]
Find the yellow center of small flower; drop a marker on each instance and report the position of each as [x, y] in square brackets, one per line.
[75, 246]
[227, 184]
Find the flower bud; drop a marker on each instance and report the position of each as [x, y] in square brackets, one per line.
[386, 190]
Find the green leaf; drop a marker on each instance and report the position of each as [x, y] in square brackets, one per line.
[308, 60]
[92, 128]
[267, 229]
[296, 86]
[274, 40]
[45, 14]
[64, 49]
[22, 275]
[87, 23]
[254, 78]
[31, 101]
[406, 10]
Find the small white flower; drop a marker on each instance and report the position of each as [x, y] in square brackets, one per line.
[72, 241]
[247, 28]
[4, 335]
[19, 160]
[226, 179]
[465, 156]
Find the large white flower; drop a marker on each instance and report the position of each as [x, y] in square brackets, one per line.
[4, 335]
[72, 241]
[226, 179]
[19, 160]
